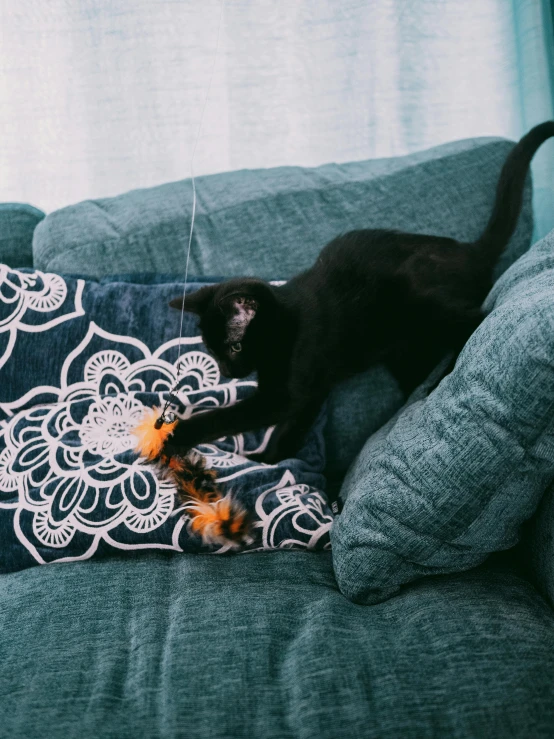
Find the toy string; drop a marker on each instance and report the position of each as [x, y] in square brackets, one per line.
[164, 415]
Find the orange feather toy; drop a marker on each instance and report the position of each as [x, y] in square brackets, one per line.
[218, 519]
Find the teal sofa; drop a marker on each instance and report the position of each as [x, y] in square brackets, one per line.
[264, 645]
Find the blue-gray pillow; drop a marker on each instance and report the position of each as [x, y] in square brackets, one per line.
[79, 362]
[454, 476]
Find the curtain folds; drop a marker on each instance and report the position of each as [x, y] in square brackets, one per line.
[98, 97]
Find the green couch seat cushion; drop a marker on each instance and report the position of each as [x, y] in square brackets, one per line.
[265, 646]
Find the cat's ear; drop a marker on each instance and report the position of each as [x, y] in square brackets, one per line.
[239, 310]
[196, 302]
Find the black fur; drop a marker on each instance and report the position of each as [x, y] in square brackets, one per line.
[372, 296]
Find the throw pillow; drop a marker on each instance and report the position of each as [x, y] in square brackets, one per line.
[454, 476]
[79, 362]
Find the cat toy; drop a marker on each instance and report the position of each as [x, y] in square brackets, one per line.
[217, 518]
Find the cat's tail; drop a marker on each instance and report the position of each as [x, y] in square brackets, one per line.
[509, 193]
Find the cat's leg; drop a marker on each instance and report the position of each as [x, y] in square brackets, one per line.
[258, 411]
[288, 437]
[412, 362]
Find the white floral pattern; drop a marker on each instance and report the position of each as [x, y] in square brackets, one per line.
[297, 505]
[67, 467]
[70, 463]
[33, 295]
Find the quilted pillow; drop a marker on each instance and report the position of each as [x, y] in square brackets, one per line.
[79, 361]
[453, 477]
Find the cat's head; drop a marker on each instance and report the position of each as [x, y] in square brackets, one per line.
[229, 313]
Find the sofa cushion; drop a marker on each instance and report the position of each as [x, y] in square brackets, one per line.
[265, 646]
[273, 222]
[80, 361]
[17, 225]
[456, 474]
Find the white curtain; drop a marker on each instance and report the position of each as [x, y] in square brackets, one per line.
[99, 97]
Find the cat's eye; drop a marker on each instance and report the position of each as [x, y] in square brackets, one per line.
[236, 347]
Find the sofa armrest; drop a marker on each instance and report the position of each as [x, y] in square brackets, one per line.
[17, 226]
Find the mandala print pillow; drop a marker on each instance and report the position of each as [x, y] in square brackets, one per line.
[79, 362]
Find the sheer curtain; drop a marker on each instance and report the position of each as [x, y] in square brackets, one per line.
[99, 97]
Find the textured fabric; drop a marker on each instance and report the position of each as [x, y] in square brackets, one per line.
[119, 103]
[17, 224]
[457, 473]
[539, 534]
[539, 542]
[273, 223]
[264, 646]
[79, 364]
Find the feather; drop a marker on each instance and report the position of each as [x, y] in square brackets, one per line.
[150, 440]
[216, 518]
[220, 521]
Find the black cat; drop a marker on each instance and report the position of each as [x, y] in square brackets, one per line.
[372, 296]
